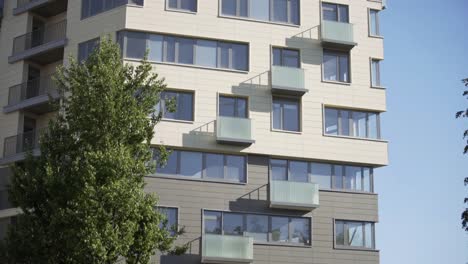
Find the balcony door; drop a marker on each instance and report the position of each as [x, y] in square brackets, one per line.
[29, 134]
[37, 34]
[32, 86]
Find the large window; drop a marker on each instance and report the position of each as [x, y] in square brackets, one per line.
[375, 73]
[94, 7]
[86, 48]
[183, 108]
[184, 50]
[286, 57]
[352, 123]
[233, 106]
[208, 166]
[171, 218]
[286, 114]
[263, 228]
[353, 234]
[282, 11]
[327, 176]
[335, 12]
[336, 66]
[374, 23]
[184, 5]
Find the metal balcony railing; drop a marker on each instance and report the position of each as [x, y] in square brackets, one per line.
[30, 89]
[21, 143]
[36, 38]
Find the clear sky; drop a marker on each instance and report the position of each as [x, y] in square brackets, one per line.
[421, 192]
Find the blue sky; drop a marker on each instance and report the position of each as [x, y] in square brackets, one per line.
[421, 192]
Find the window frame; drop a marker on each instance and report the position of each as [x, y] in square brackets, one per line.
[377, 23]
[269, 227]
[378, 73]
[348, 247]
[282, 49]
[179, 9]
[157, 207]
[337, 11]
[163, 111]
[351, 123]
[95, 41]
[127, 3]
[203, 177]
[332, 175]
[122, 39]
[270, 13]
[299, 115]
[337, 54]
[236, 97]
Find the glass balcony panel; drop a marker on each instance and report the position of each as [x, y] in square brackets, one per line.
[234, 129]
[337, 33]
[234, 248]
[288, 194]
[287, 80]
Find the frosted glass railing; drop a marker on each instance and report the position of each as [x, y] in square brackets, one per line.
[294, 194]
[287, 77]
[218, 247]
[333, 31]
[234, 129]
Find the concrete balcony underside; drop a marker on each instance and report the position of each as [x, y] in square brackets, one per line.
[45, 8]
[43, 54]
[38, 105]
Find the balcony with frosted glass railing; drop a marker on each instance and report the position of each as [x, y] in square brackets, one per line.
[287, 81]
[234, 130]
[42, 46]
[44, 8]
[15, 147]
[227, 249]
[294, 195]
[337, 35]
[33, 96]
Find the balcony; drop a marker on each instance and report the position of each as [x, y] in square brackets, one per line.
[294, 195]
[227, 249]
[32, 96]
[44, 8]
[287, 81]
[41, 46]
[234, 130]
[337, 35]
[15, 147]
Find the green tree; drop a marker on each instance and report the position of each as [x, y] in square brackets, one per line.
[83, 199]
[464, 114]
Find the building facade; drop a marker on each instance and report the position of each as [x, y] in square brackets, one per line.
[276, 136]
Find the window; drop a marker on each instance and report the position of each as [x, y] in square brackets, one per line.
[286, 114]
[286, 57]
[353, 234]
[352, 123]
[94, 7]
[185, 5]
[183, 50]
[233, 106]
[375, 73]
[171, 218]
[263, 228]
[208, 166]
[327, 176]
[374, 22]
[183, 105]
[335, 12]
[336, 66]
[282, 11]
[86, 48]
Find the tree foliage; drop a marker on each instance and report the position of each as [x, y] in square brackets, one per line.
[464, 114]
[82, 198]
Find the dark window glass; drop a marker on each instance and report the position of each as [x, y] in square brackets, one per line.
[170, 218]
[191, 164]
[212, 222]
[280, 229]
[334, 12]
[279, 170]
[136, 45]
[233, 224]
[285, 114]
[214, 166]
[257, 227]
[286, 57]
[86, 48]
[183, 105]
[170, 50]
[298, 171]
[228, 7]
[185, 50]
[335, 66]
[171, 164]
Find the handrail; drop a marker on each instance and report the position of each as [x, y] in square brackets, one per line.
[30, 89]
[40, 37]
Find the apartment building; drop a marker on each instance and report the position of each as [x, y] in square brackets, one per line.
[276, 137]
